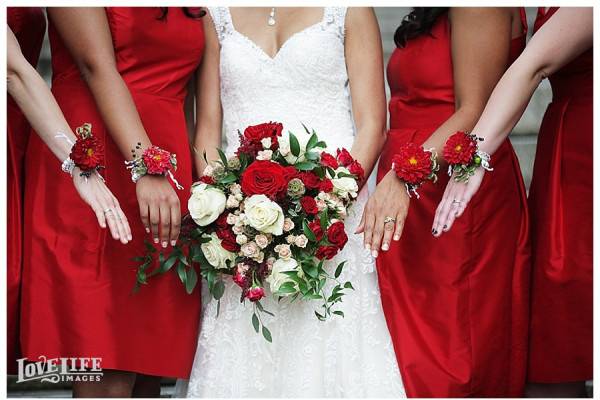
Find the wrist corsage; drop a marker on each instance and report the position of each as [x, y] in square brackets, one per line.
[152, 161]
[414, 165]
[86, 154]
[463, 156]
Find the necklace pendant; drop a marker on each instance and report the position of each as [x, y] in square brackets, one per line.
[271, 21]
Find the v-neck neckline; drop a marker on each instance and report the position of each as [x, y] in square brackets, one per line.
[285, 42]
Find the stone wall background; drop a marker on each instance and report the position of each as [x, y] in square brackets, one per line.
[524, 136]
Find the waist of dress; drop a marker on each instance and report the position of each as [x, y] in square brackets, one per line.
[419, 116]
[572, 89]
[75, 83]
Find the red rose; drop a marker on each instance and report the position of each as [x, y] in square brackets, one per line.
[310, 180]
[228, 240]
[326, 252]
[87, 153]
[336, 234]
[309, 205]
[255, 293]
[357, 170]
[207, 179]
[460, 148]
[328, 160]
[157, 160]
[290, 172]
[221, 222]
[264, 177]
[326, 186]
[344, 157]
[412, 163]
[315, 227]
[256, 133]
[240, 279]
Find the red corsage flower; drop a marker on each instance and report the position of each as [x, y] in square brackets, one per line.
[309, 205]
[460, 148]
[158, 161]
[87, 152]
[412, 164]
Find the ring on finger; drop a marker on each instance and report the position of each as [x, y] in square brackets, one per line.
[456, 202]
[389, 219]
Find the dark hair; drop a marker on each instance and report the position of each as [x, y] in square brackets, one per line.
[418, 22]
[196, 14]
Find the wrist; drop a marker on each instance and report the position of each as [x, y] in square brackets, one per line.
[464, 156]
[86, 153]
[152, 161]
[413, 166]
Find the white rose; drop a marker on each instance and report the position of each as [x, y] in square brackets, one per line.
[264, 215]
[208, 170]
[288, 225]
[277, 276]
[215, 254]
[238, 229]
[206, 204]
[301, 241]
[264, 155]
[232, 202]
[266, 143]
[321, 205]
[232, 219]
[235, 188]
[284, 251]
[344, 186]
[249, 250]
[261, 240]
[241, 239]
[290, 239]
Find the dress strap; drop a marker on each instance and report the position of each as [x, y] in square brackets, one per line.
[523, 16]
[222, 21]
[336, 18]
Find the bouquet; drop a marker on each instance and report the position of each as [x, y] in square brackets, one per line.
[268, 217]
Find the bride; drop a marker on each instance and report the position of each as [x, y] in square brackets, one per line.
[294, 66]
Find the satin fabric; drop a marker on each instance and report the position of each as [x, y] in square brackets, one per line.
[78, 281]
[561, 214]
[29, 26]
[456, 306]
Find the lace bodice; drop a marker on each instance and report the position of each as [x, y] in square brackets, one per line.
[305, 82]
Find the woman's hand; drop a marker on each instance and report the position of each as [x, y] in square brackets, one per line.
[159, 207]
[389, 201]
[456, 198]
[94, 192]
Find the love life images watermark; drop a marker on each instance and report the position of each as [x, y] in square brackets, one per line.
[62, 369]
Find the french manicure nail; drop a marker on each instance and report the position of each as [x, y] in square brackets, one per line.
[173, 242]
[396, 238]
[130, 237]
[147, 230]
[368, 246]
[156, 241]
[374, 253]
[385, 247]
[164, 245]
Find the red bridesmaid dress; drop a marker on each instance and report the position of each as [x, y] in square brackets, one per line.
[78, 281]
[29, 26]
[561, 206]
[456, 306]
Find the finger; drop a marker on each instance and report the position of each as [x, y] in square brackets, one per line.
[165, 224]
[369, 225]
[438, 211]
[154, 221]
[444, 209]
[175, 221]
[377, 235]
[361, 225]
[145, 215]
[399, 227]
[119, 217]
[388, 232]
[451, 216]
[99, 215]
[125, 223]
[109, 213]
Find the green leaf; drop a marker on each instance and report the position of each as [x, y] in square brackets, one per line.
[305, 166]
[321, 317]
[192, 279]
[183, 258]
[311, 142]
[255, 322]
[222, 157]
[149, 247]
[321, 144]
[310, 269]
[267, 334]
[261, 308]
[308, 232]
[339, 269]
[229, 178]
[340, 313]
[345, 175]
[218, 290]
[312, 156]
[348, 285]
[324, 219]
[181, 272]
[294, 145]
[168, 264]
[305, 128]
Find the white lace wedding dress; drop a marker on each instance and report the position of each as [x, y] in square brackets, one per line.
[305, 82]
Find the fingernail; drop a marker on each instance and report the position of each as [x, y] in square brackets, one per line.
[385, 247]
[173, 242]
[130, 237]
[396, 238]
[445, 227]
[434, 232]
[374, 253]
[367, 246]
[147, 230]
[155, 241]
[164, 245]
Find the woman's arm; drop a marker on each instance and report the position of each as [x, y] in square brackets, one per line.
[209, 115]
[86, 34]
[364, 61]
[480, 44]
[566, 35]
[35, 100]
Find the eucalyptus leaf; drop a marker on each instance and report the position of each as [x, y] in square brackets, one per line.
[267, 334]
[192, 279]
[339, 269]
[255, 322]
[294, 145]
[218, 290]
[308, 232]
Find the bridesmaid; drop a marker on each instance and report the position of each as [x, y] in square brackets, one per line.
[124, 70]
[560, 357]
[456, 305]
[29, 26]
